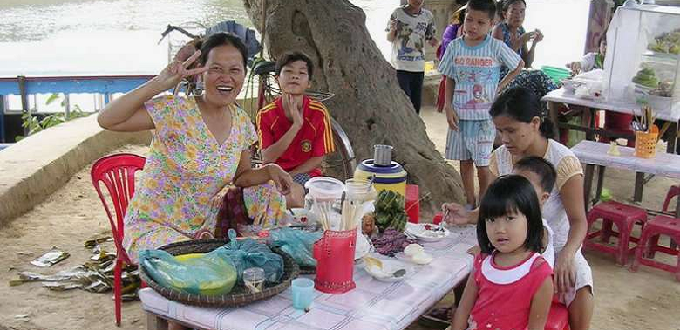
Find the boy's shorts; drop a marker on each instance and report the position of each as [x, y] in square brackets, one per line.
[473, 140]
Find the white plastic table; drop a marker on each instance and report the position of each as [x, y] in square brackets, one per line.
[562, 96]
[595, 154]
[372, 305]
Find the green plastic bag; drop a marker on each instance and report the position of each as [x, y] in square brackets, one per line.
[298, 244]
[210, 274]
[246, 253]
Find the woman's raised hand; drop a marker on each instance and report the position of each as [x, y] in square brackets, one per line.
[177, 70]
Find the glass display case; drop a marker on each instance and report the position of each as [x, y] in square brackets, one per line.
[642, 63]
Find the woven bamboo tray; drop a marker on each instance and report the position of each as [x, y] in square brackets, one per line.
[239, 296]
[306, 270]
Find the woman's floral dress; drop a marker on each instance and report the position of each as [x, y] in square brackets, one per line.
[185, 168]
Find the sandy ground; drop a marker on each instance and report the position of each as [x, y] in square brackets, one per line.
[648, 299]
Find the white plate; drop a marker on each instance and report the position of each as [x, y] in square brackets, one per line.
[420, 231]
[389, 267]
[363, 246]
[404, 257]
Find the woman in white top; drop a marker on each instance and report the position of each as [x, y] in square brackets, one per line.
[524, 132]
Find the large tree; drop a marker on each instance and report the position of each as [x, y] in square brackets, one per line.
[368, 102]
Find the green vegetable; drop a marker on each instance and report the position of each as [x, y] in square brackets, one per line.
[389, 209]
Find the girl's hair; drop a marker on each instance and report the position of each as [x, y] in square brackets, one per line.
[221, 39]
[511, 194]
[520, 104]
[508, 3]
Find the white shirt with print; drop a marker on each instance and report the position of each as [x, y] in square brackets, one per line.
[413, 32]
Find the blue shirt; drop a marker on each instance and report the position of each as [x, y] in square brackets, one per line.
[476, 71]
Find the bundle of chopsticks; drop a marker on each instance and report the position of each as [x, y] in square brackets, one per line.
[645, 121]
[350, 214]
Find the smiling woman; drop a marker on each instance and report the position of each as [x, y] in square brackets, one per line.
[200, 149]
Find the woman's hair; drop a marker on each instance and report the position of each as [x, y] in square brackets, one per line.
[520, 104]
[221, 39]
[294, 56]
[508, 3]
[511, 194]
[541, 167]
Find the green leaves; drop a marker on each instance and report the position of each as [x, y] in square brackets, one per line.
[389, 209]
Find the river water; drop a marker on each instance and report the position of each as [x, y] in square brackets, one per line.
[89, 37]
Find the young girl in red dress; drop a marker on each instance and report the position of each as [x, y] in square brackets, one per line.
[511, 285]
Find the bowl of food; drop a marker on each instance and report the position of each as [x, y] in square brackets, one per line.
[427, 232]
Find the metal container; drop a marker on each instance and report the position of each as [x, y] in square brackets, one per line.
[382, 155]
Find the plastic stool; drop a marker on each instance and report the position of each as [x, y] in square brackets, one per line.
[625, 217]
[412, 203]
[558, 317]
[649, 244]
[672, 192]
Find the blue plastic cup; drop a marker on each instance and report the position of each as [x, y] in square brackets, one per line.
[303, 293]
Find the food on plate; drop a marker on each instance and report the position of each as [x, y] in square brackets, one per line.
[391, 242]
[390, 211]
[667, 43]
[413, 249]
[368, 226]
[646, 77]
[417, 254]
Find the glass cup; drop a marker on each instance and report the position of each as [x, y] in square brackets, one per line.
[253, 279]
[302, 291]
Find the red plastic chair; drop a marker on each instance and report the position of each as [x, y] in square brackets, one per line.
[672, 192]
[117, 172]
[649, 244]
[624, 217]
[558, 317]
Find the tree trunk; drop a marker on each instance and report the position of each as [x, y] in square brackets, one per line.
[368, 102]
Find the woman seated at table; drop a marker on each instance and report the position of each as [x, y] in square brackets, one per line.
[525, 132]
[200, 149]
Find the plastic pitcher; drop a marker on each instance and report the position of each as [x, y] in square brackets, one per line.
[334, 254]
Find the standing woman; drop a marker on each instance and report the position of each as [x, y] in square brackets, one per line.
[200, 148]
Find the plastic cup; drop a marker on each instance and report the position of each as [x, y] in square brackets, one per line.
[253, 279]
[302, 291]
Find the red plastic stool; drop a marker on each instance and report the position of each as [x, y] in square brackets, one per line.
[624, 217]
[672, 192]
[558, 317]
[649, 244]
[412, 203]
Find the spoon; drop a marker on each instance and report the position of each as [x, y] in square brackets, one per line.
[399, 273]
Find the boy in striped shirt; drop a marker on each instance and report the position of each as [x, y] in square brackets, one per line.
[472, 66]
[294, 131]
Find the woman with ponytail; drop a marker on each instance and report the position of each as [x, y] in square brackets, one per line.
[525, 131]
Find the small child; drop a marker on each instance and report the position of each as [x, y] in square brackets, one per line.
[591, 60]
[541, 174]
[294, 130]
[409, 28]
[472, 65]
[511, 285]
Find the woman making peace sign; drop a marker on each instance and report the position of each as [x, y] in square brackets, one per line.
[200, 146]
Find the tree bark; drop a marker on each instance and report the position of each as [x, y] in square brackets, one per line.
[368, 102]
